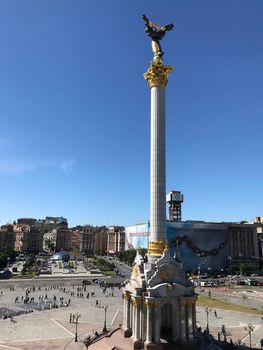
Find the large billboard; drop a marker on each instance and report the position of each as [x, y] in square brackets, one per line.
[137, 236]
[200, 244]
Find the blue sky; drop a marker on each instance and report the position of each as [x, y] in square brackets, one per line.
[75, 109]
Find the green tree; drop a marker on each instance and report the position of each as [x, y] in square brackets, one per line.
[128, 256]
[7, 253]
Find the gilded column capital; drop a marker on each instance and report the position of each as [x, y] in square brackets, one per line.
[189, 302]
[183, 302]
[136, 301]
[157, 248]
[127, 295]
[157, 303]
[157, 75]
[149, 303]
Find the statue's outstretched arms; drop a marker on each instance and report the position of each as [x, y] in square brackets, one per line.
[145, 19]
[167, 27]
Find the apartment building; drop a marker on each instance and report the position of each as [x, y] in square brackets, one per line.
[116, 240]
[7, 237]
[27, 239]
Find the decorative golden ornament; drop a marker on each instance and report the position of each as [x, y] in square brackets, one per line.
[136, 302]
[136, 271]
[127, 295]
[157, 75]
[189, 302]
[149, 303]
[157, 248]
[183, 302]
[157, 303]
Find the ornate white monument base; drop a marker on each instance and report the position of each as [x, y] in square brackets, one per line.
[159, 303]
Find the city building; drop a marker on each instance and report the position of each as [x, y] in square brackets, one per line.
[100, 243]
[116, 240]
[49, 241]
[92, 240]
[63, 239]
[76, 242]
[245, 249]
[88, 240]
[51, 222]
[7, 237]
[26, 221]
[27, 239]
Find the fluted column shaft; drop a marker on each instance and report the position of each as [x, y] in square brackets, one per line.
[183, 320]
[158, 188]
[156, 76]
[157, 322]
[149, 330]
[128, 311]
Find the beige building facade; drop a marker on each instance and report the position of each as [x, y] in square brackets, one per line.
[94, 240]
[116, 240]
[244, 244]
[27, 239]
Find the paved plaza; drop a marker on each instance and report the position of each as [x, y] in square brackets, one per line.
[50, 328]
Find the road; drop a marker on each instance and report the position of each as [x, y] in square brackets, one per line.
[124, 270]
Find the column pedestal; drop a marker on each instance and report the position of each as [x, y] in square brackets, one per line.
[152, 346]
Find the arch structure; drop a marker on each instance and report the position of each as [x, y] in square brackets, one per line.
[159, 303]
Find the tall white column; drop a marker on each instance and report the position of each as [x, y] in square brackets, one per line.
[157, 79]
[158, 189]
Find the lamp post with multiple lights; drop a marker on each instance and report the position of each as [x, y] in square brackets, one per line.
[105, 307]
[77, 317]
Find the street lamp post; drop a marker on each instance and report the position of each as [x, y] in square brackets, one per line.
[105, 314]
[77, 316]
[207, 319]
[249, 329]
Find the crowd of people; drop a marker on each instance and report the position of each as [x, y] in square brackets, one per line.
[42, 298]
